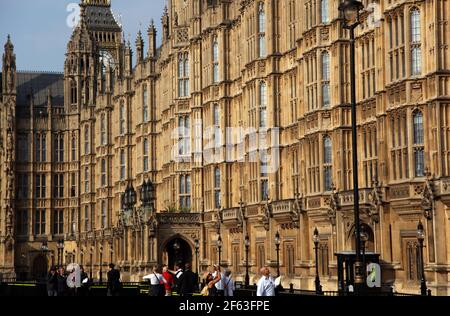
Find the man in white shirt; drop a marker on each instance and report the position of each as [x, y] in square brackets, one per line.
[266, 285]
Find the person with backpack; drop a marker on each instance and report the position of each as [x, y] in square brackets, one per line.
[228, 284]
[157, 283]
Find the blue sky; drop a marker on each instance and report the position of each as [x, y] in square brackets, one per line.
[40, 32]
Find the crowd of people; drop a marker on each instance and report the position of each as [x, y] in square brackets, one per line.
[163, 282]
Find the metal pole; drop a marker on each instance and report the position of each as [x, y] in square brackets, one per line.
[247, 276]
[423, 282]
[317, 281]
[278, 260]
[358, 264]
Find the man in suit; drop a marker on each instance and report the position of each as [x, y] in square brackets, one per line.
[114, 284]
[188, 281]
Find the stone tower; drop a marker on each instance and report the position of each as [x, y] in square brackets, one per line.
[7, 158]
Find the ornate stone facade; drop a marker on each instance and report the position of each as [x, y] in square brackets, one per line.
[279, 67]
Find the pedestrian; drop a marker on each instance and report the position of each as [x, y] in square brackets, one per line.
[52, 282]
[212, 279]
[85, 283]
[177, 275]
[266, 285]
[168, 276]
[219, 285]
[114, 285]
[61, 282]
[228, 284]
[157, 282]
[188, 281]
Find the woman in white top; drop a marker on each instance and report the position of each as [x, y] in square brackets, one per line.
[157, 282]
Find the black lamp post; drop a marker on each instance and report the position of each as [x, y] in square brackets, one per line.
[421, 238]
[219, 248]
[91, 258]
[350, 12]
[197, 249]
[247, 246]
[277, 245]
[60, 248]
[101, 265]
[316, 240]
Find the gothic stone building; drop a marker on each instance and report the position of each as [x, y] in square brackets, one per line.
[277, 71]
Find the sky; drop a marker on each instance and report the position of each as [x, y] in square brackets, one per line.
[40, 29]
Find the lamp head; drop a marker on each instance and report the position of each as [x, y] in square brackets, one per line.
[277, 238]
[316, 237]
[350, 12]
[420, 232]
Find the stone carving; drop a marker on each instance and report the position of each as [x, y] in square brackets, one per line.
[267, 215]
[428, 197]
[376, 201]
[297, 210]
[219, 220]
[334, 205]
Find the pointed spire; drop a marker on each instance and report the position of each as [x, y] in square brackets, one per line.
[9, 45]
[151, 32]
[139, 47]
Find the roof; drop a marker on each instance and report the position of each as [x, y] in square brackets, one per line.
[101, 18]
[38, 84]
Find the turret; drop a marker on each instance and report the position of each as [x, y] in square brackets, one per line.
[9, 69]
[139, 48]
[128, 59]
[151, 40]
[165, 24]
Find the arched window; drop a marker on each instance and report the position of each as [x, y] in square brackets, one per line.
[122, 165]
[122, 118]
[217, 199]
[103, 173]
[419, 148]
[183, 75]
[104, 215]
[324, 14]
[73, 92]
[261, 30]
[86, 180]
[325, 79]
[416, 49]
[145, 155]
[327, 163]
[262, 105]
[145, 104]
[216, 123]
[103, 129]
[86, 218]
[74, 149]
[87, 146]
[185, 192]
[215, 60]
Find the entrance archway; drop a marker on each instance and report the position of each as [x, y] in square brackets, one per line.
[40, 268]
[177, 250]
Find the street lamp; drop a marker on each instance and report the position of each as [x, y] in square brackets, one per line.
[316, 239]
[277, 245]
[197, 249]
[247, 246]
[60, 248]
[350, 12]
[421, 238]
[101, 265]
[219, 248]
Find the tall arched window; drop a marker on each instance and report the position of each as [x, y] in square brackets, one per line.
[122, 118]
[73, 92]
[416, 49]
[327, 163]
[122, 165]
[103, 173]
[104, 215]
[261, 30]
[324, 13]
[183, 75]
[325, 79]
[145, 104]
[419, 155]
[216, 123]
[215, 60]
[86, 180]
[103, 129]
[87, 149]
[217, 200]
[145, 155]
[262, 105]
[74, 149]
